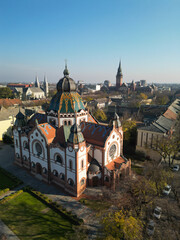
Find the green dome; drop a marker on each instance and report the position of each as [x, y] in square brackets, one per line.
[76, 135]
[66, 102]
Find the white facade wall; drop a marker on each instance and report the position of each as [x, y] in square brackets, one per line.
[39, 139]
[71, 175]
[57, 167]
[16, 139]
[25, 152]
[113, 139]
[82, 155]
[56, 150]
[38, 160]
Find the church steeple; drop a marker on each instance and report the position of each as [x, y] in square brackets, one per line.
[36, 84]
[119, 76]
[66, 72]
[45, 86]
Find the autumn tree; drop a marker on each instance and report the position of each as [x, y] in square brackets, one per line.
[100, 115]
[6, 92]
[122, 225]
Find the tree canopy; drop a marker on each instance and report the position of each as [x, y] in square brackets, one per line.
[6, 92]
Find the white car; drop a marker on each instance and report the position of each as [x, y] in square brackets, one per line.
[167, 190]
[150, 227]
[157, 212]
[175, 168]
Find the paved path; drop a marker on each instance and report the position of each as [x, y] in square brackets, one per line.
[4, 230]
[56, 194]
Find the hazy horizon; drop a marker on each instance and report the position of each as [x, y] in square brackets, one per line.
[36, 37]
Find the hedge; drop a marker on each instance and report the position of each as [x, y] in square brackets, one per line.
[14, 178]
[13, 195]
[54, 206]
[4, 191]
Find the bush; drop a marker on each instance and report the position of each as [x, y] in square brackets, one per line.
[5, 199]
[7, 139]
[4, 191]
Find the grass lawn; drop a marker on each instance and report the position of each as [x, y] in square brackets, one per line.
[6, 182]
[29, 219]
[96, 205]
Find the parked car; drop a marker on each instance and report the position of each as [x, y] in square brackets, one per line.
[175, 168]
[150, 227]
[157, 212]
[167, 190]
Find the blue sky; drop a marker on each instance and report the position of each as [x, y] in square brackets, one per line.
[37, 35]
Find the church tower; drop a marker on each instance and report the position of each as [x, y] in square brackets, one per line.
[36, 84]
[45, 87]
[119, 76]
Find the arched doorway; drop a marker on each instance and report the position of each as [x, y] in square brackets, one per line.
[38, 168]
[95, 181]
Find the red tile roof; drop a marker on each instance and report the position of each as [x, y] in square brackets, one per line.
[48, 131]
[115, 163]
[95, 133]
[9, 102]
[170, 114]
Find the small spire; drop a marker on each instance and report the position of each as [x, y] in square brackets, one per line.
[66, 72]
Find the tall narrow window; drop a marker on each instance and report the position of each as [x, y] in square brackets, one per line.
[70, 164]
[82, 164]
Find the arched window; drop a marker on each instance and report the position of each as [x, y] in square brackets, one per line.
[65, 122]
[70, 164]
[70, 182]
[62, 177]
[59, 159]
[55, 173]
[25, 144]
[82, 164]
[106, 179]
[17, 155]
[33, 165]
[25, 158]
[38, 148]
[44, 170]
[69, 122]
[82, 182]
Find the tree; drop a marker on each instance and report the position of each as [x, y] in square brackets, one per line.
[6, 92]
[143, 96]
[122, 225]
[100, 115]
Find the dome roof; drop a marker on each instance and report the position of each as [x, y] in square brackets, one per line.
[94, 166]
[66, 84]
[66, 100]
[76, 135]
[20, 120]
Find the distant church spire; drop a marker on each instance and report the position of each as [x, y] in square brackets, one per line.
[119, 76]
[36, 84]
[45, 86]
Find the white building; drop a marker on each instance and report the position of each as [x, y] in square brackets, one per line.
[67, 146]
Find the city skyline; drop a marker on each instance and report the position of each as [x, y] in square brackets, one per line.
[36, 37]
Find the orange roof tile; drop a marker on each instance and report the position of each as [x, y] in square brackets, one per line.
[48, 131]
[170, 114]
[115, 163]
[9, 102]
[95, 133]
[91, 118]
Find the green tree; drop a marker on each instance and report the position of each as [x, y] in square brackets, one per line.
[122, 225]
[100, 115]
[6, 92]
